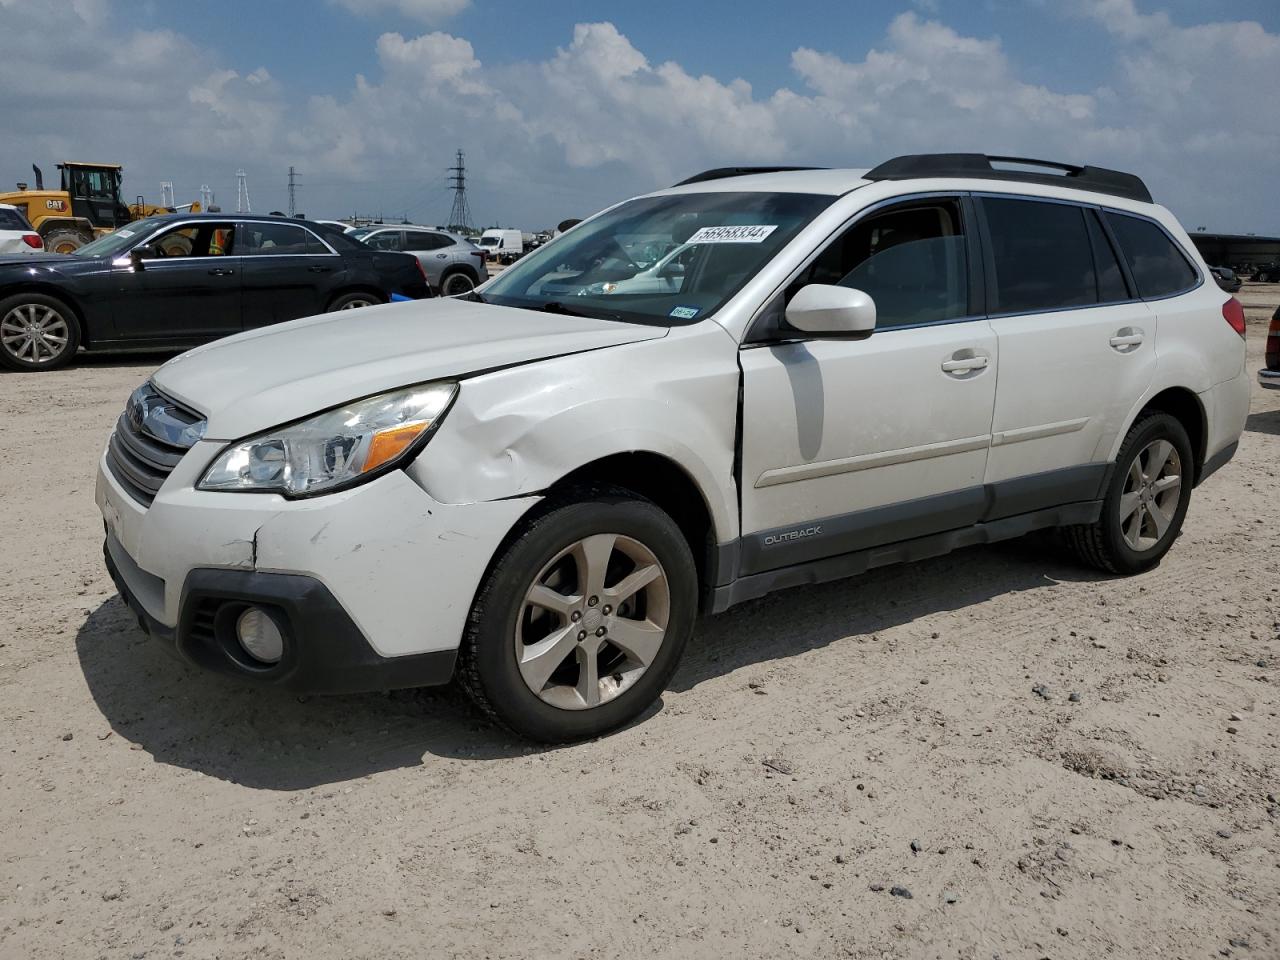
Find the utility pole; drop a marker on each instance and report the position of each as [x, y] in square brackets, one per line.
[166, 194]
[242, 192]
[460, 215]
[206, 197]
[293, 183]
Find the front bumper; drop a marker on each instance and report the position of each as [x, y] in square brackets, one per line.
[324, 651]
[1269, 379]
[374, 583]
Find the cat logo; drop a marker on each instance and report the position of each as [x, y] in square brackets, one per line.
[59, 205]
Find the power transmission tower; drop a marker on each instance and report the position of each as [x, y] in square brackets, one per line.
[242, 192]
[166, 194]
[206, 197]
[293, 182]
[460, 215]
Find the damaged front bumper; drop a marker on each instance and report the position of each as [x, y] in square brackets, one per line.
[373, 584]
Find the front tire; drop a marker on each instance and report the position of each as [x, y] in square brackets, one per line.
[582, 620]
[1146, 500]
[64, 241]
[37, 332]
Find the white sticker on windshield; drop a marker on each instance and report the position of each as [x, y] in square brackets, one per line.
[740, 234]
[126, 232]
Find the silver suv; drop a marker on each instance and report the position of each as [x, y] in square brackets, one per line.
[453, 264]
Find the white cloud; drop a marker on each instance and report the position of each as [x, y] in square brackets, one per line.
[597, 119]
[427, 11]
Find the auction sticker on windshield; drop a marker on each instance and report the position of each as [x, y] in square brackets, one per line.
[685, 313]
[739, 234]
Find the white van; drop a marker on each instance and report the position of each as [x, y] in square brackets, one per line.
[537, 486]
[505, 246]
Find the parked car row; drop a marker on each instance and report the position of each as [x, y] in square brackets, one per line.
[179, 280]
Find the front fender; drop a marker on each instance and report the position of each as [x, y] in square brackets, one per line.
[518, 431]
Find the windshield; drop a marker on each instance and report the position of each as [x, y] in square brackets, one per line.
[110, 244]
[661, 260]
[488, 241]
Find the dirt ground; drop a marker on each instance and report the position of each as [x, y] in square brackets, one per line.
[817, 749]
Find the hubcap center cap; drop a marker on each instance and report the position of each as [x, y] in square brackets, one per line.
[592, 618]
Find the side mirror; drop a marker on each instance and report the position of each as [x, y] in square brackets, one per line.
[672, 269]
[832, 311]
[141, 252]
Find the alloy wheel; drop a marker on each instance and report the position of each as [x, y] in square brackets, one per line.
[356, 304]
[34, 333]
[592, 622]
[1151, 493]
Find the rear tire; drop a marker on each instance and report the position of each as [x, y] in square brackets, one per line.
[37, 332]
[546, 653]
[1146, 500]
[354, 301]
[1264, 277]
[456, 282]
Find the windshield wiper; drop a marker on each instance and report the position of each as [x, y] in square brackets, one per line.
[555, 306]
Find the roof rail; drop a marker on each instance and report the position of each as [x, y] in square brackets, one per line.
[722, 173]
[980, 166]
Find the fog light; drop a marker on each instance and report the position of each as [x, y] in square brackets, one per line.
[259, 635]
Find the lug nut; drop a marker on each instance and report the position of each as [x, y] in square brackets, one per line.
[575, 616]
[607, 610]
[592, 601]
[582, 634]
[600, 632]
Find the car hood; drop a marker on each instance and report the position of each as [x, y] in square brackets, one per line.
[40, 260]
[260, 379]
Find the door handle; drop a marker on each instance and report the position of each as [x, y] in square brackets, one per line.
[1127, 339]
[221, 272]
[319, 269]
[964, 364]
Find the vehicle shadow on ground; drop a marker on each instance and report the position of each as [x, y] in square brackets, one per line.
[1265, 421]
[268, 739]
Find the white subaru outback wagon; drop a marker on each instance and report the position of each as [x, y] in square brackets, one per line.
[537, 486]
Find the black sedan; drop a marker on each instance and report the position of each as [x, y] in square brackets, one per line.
[175, 281]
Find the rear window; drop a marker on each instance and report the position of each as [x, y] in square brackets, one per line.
[1043, 258]
[1159, 268]
[12, 220]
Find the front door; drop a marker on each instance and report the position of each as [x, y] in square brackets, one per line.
[850, 444]
[186, 287]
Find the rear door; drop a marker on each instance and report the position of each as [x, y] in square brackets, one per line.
[1077, 349]
[289, 272]
[853, 443]
[185, 289]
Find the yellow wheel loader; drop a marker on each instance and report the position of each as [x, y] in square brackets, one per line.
[87, 205]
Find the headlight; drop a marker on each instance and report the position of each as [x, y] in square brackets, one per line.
[333, 449]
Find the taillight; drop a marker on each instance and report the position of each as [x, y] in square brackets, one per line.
[1233, 313]
[33, 240]
[1273, 342]
[421, 272]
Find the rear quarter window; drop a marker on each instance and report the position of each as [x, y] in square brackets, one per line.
[1158, 266]
[13, 220]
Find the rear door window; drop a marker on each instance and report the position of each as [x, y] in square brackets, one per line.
[1042, 256]
[386, 240]
[1159, 268]
[274, 239]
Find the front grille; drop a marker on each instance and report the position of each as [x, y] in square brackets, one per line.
[151, 437]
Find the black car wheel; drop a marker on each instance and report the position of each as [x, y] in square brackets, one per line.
[1264, 276]
[456, 283]
[353, 301]
[37, 332]
[582, 618]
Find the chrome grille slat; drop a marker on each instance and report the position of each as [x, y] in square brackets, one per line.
[138, 459]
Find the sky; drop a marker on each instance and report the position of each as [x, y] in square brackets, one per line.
[563, 106]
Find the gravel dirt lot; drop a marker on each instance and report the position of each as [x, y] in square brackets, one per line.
[817, 750]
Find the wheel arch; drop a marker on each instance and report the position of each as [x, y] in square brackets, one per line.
[1185, 406]
[669, 486]
[58, 293]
